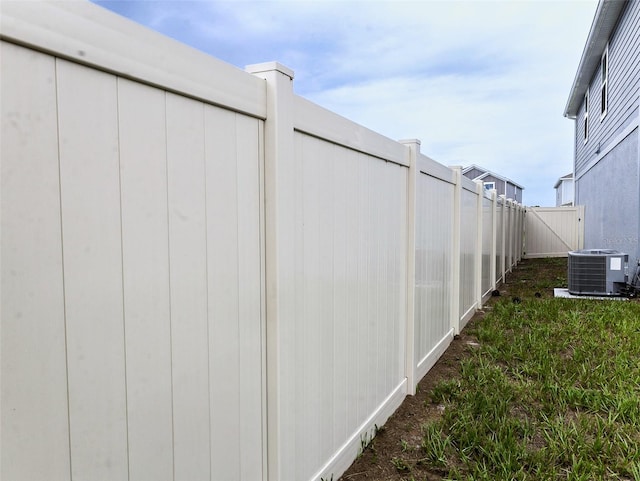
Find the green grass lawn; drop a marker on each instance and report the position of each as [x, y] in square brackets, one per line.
[552, 392]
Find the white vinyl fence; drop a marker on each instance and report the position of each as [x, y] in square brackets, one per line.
[205, 276]
[553, 231]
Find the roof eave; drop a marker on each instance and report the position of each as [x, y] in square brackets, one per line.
[604, 21]
[564, 177]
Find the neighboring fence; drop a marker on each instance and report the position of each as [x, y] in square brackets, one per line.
[205, 276]
[553, 231]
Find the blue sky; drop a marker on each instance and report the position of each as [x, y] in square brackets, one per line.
[478, 82]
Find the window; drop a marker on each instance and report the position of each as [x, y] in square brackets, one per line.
[604, 87]
[489, 185]
[586, 116]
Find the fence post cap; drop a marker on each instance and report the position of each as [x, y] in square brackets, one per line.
[269, 67]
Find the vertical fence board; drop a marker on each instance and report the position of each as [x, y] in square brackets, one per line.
[342, 207]
[354, 254]
[325, 356]
[33, 402]
[313, 319]
[223, 295]
[145, 251]
[90, 187]
[250, 348]
[362, 298]
[188, 262]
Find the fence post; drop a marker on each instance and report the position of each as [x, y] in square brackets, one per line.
[455, 249]
[279, 182]
[479, 246]
[494, 237]
[410, 363]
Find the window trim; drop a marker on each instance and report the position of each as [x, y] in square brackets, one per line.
[585, 122]
[487, 184]
[604, 83]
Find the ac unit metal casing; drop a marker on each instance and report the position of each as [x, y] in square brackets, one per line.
[597, 272]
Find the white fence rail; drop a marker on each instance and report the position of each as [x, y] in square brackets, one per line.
[205, 276]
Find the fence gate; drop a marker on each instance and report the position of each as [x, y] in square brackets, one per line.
[553, 231]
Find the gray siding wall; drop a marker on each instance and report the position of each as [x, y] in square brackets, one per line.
[498, 183]
[624, 88]
[473, 173]
[514, 193]
[610, 193]
[607, 166]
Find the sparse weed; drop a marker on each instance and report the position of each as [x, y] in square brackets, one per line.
[404, 445]
[401, 465]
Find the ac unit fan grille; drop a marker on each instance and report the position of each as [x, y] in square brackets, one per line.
[588, 274]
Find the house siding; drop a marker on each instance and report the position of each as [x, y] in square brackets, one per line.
[499, 183]
[503, 186]
[624, 87]
[473, 173]
[610, 194]
[607, 165]
[513, 193]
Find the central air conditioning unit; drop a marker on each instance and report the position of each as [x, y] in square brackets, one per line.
[598, 272]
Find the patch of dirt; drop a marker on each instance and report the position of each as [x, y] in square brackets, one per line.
[402, 433]
[401, 436]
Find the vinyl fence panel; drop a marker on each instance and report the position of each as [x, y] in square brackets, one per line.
[508, 238]
[433, 281]
[500, 238]
[487, 240]
[348, 275]
[468, 240]
[146, 229]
